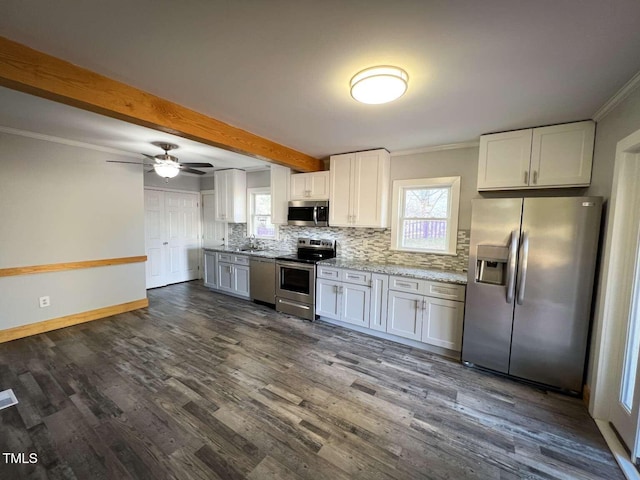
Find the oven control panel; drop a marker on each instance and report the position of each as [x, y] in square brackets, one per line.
[316, 243]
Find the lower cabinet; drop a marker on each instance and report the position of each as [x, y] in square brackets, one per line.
[427, 319]
[343, 301]
[233, 277]
[210, 270]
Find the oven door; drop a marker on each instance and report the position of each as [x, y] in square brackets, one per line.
[296, 281]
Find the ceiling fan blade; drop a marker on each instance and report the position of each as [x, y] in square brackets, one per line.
[133, 163]
[197, 165]
[191, 170]
[150, 157]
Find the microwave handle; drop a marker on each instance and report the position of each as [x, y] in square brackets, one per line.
[315, 215]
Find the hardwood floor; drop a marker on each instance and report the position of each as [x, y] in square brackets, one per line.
[203, 386]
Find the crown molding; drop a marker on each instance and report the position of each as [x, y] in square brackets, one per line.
[436, 148]
[66, 141]
[618, 97]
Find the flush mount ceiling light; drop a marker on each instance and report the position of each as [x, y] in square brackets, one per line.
[377, 85]
[167, 169]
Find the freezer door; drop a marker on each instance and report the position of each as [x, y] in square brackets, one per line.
[495, 225]
[558, 250]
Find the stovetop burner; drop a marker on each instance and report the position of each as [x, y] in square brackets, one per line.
[312, 251]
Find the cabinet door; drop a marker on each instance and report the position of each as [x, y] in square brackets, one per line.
[355, 304]
[378, 308]
[298, 187]
[210, 270]
[404, 315]
[241, 280]
[236, 196]
[328, 299]
[504, 160]
[370, 189]
[318, 185]
[561, 155]
[225, 277]
[442, 325]
[340, 182]
[280, 185]
[220, 183]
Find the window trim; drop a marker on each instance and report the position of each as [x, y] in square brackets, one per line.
[399, 186]
[250, 209]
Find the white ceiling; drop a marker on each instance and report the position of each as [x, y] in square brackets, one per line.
[281, 68]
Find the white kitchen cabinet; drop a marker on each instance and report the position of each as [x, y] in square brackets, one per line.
[309, 186]
[359, 189]
[343, 295]
[233, 274]
[442, 323]
[378, 306]
[355, 303]
[435, 318]
[328, 298]
[561, 155]
[231, 196]
[210, 270]
[280, 186]
[544, 157]
[404, 317]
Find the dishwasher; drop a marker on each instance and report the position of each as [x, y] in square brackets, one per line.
[262, 278]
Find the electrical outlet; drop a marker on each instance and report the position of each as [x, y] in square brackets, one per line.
[45, 301]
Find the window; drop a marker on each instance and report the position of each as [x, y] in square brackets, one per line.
[425, 215]
[259, 215]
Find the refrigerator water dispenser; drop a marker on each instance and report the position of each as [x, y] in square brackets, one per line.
[492, 264]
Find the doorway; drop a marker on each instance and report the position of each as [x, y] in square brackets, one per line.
[172, 236]
[616, 386]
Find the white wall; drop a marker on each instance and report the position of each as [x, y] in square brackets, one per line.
[64, 203]
[462, 162]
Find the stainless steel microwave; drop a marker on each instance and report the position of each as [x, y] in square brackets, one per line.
[308, 213]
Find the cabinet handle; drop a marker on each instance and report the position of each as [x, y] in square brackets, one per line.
[417, 304]
[335, 289]
[535, 177]
[526, 178]
[401, 284]
[424, 304]
[165, 243]
[341, 289]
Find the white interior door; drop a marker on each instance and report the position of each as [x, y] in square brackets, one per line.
[155, 246]
[213, 232]
[172, 234]
[625, 406]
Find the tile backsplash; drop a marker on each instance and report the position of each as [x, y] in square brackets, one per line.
[365, 244]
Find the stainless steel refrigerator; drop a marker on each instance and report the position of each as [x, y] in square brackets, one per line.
[528, 302]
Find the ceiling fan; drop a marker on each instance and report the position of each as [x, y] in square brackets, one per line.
[168, 166]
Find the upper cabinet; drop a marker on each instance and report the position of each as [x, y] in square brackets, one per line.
[231, 196]
[544, 157]
[310, 186]
[280, 181]
[359, 189]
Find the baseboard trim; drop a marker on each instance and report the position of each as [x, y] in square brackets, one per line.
[69, 320]
[61, 267]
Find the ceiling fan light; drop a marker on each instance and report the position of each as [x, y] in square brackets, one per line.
[378, 85]
[166, 170]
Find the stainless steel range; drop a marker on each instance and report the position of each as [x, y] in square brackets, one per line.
[296, 277]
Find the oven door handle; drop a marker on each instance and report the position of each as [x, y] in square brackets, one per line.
[300, 266]
[315, 215]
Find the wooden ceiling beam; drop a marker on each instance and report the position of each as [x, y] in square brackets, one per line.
[36, 73]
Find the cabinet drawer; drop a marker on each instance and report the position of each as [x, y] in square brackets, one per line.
[447, 291]
[225, 257]
[241, 260]
[329, 273]
[357, 278]
[404, 284]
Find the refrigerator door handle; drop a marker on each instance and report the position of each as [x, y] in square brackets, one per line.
[522, 271]
[511, 267]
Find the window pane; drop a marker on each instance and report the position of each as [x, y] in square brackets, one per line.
[426, 202]
[262, 203]
[424, 234]
[262, 226]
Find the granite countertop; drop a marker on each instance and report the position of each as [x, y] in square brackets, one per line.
[252, 253]
[445, 276]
